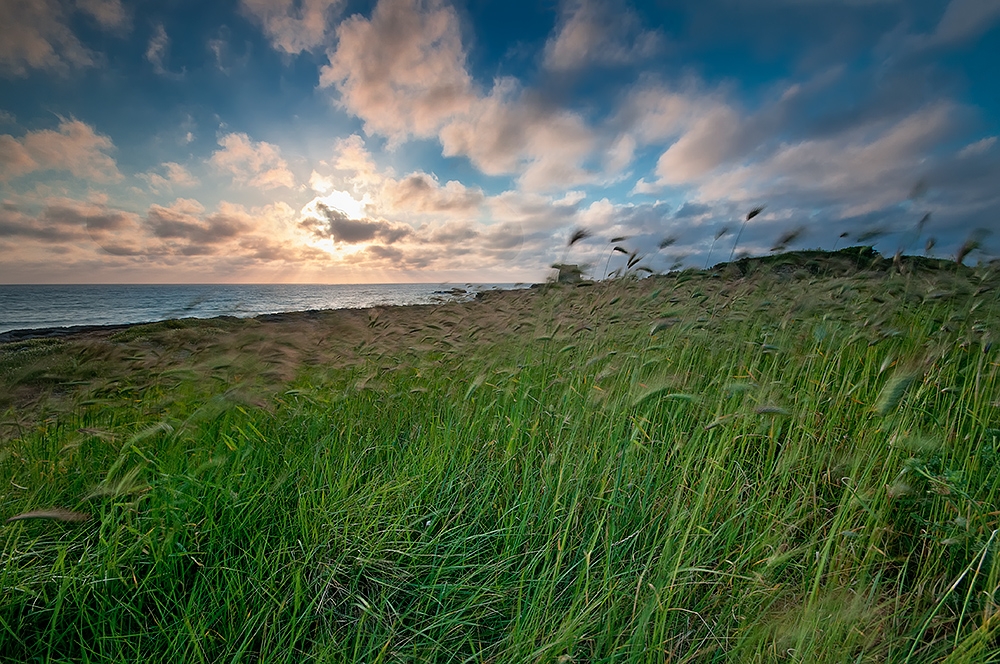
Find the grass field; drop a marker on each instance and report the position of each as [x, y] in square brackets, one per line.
[790, 459]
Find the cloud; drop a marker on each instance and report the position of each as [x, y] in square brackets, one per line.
[596, 32]
[511, 132]
[14, 158]
[109, 14]
[319, 183]
[233, 231]
[852, 180]
[157, 50]
[67, 222]
[421, 192]
[337, 226]
[690, 209]
[88, 231]
[175, 176]
[293, 26]
[351, 156]
[653, 112]
[709, 141]
[223, 53]
[869, 166]
[184, 219]
[963, 21]
[403, 70]
[979, 147]
[253, 163]
[75, 147]
[415, 222]
[36, 35]
[417, 193]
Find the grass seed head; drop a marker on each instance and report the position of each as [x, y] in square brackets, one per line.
[54, 514]
[893, 392]
[578, 234]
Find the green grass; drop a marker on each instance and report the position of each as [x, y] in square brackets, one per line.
[783, 460]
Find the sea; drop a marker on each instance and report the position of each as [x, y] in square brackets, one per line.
[24, 307]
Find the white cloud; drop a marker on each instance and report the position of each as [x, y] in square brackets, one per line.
[643, 187]
[867, 166]
[620, 154]
[507, 133]
[382, 193]
[653, 112]
[294, 26]
[403, 70]
[421, 192]
[75, 147]
[351, 156]
[571, 198]
[709, 141]
[979, 147]
[253, 163]
[598, 32]
[320, 184]
[175, 176]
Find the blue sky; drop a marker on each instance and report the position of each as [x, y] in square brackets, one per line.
[335, 141]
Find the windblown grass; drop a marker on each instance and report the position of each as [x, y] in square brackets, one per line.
[789, 459]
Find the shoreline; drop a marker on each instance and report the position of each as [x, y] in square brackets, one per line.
[58, 332]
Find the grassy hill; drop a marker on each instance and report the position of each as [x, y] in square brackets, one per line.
[787, 459]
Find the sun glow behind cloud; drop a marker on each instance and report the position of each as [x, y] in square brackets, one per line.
[337, 200]
[340, 202]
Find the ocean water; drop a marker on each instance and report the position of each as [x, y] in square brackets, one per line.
[33, 307]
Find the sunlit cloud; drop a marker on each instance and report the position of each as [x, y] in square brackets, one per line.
[174, 176]
[254, 163]
[293, 26]
[74, 147]
[414, 81]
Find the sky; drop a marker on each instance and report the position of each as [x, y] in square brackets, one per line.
[336, 141]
